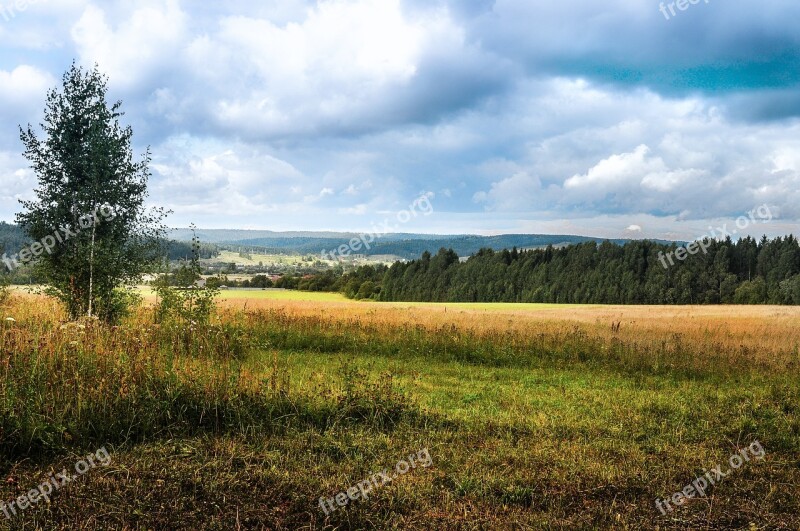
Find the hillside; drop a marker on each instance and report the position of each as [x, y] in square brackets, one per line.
[402, 245]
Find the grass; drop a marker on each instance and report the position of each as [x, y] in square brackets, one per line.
[278, 295]
[246, 296]
[535, 417]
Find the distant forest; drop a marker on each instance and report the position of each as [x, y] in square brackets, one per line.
[13, 239]
[743, 272]
[409, 246]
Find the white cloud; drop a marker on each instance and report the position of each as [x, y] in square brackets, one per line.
[336, 69]
[142, 45]
[236, 182]
[638, 153]
[300, 113]
[520, 192]
[23, 89]
[623, 169]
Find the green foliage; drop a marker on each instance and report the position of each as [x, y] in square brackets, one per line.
[179, 250]
[189, 304]
[258, 281]
[744, 272]
[12, 237]
[791, 289]
[751, 292]
[84, 165]
[362, 283]
[120, 303]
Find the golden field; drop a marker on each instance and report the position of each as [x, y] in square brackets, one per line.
[535, 416]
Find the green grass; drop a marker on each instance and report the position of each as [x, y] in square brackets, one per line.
[246, 424]
[494, 306]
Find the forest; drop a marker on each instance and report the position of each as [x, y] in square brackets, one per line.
[747, 271]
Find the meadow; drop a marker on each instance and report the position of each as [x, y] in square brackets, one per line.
[535, 416]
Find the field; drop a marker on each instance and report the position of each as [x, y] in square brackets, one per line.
[534, 416]
[293, 260]
[245, 298]
[256, 259]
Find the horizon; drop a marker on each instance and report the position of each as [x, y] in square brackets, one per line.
[771, 234]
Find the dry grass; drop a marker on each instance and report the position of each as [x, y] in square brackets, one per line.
[537, 417]
[760, 336]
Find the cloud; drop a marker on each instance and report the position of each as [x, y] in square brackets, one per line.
[642, 154]
[520, 192]
[581, 116]
[291, 69]
[717, 47]
[236, 182]
[142, 46]
[22, 91]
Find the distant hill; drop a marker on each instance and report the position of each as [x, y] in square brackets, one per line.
[13, 239]
[407, 246]
[402, 245]
[240, 235]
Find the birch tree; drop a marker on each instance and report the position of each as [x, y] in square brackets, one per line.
[89, 200]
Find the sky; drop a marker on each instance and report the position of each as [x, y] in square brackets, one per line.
[618, 118]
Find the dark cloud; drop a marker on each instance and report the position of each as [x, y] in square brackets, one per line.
[711, 48]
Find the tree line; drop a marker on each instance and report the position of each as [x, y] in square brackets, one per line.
[747, 271]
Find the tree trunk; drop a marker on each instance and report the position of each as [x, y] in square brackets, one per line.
[91, 266]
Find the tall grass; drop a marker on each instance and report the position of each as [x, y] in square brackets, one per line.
[86, 383]
[62, 382]
[530, 420]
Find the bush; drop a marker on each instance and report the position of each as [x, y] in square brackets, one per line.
[188, 304]
[119, 305]
[751, 292]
